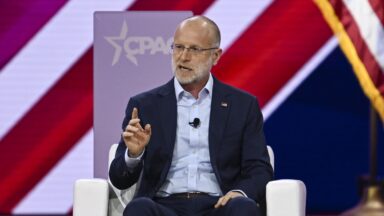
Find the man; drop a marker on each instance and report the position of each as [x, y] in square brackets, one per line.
[195, 145]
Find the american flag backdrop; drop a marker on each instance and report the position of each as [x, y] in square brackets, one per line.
[359, 27]
[282, 51]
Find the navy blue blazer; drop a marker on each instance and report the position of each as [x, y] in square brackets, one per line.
[237, 146]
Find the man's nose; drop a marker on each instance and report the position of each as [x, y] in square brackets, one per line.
[185, 55]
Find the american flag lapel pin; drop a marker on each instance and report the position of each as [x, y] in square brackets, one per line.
[224, 104]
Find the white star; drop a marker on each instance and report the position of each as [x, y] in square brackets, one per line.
[113, 41]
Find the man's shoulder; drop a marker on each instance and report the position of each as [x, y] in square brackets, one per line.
[234, 91]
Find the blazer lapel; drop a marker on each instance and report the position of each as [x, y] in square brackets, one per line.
[220, 107]
[168, 116]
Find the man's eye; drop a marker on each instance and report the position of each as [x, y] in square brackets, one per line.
[194, 49]
[179, 47]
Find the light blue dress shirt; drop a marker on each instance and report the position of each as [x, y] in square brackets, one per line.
[191, 168]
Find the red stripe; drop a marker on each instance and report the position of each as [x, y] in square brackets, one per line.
[197, 7]
[362, 49]
[378, 8]
[46, 133]
[53, 126]
[20, 21]
[274, 48]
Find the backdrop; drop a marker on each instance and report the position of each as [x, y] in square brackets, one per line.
[131, 55]
[316, 116]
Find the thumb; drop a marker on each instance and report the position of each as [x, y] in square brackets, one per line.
[148, 129]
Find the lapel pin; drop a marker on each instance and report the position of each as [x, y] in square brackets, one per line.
[224, 104]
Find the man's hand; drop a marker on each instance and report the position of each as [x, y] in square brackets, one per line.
[224, 199]
[135, 137]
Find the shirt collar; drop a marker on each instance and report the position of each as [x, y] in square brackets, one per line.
[179, 89]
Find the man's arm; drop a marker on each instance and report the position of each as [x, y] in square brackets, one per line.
[123, 173]
[256, 170]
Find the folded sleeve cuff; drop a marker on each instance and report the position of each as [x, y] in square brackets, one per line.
[132, 162]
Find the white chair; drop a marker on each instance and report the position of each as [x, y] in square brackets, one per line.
[98, 197]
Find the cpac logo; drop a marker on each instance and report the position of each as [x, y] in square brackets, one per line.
[136, 45]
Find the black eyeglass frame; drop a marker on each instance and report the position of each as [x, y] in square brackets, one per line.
[194, 50]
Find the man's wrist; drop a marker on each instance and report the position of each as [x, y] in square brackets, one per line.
[132, 161]
[240, 192]
[134, 156]
[130, 155]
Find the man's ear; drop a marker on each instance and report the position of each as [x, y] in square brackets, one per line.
[217, 55]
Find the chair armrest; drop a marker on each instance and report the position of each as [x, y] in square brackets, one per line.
[286, 197]
[90, 197]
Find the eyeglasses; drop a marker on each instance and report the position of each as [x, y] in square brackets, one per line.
[178, 49]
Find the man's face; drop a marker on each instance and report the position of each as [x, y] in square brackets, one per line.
[191, 66]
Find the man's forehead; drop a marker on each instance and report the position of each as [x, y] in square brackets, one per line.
[191, 29]
[192, 38]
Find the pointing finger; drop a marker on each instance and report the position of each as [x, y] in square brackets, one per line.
[133, 121]
[135, 113]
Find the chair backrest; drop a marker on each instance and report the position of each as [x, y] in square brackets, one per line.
[112, 152]
[271, 157]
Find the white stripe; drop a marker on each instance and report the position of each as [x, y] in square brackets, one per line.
[370, 27]
[234, 17]
[299, 77]
[36, 68]
[54, 193]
